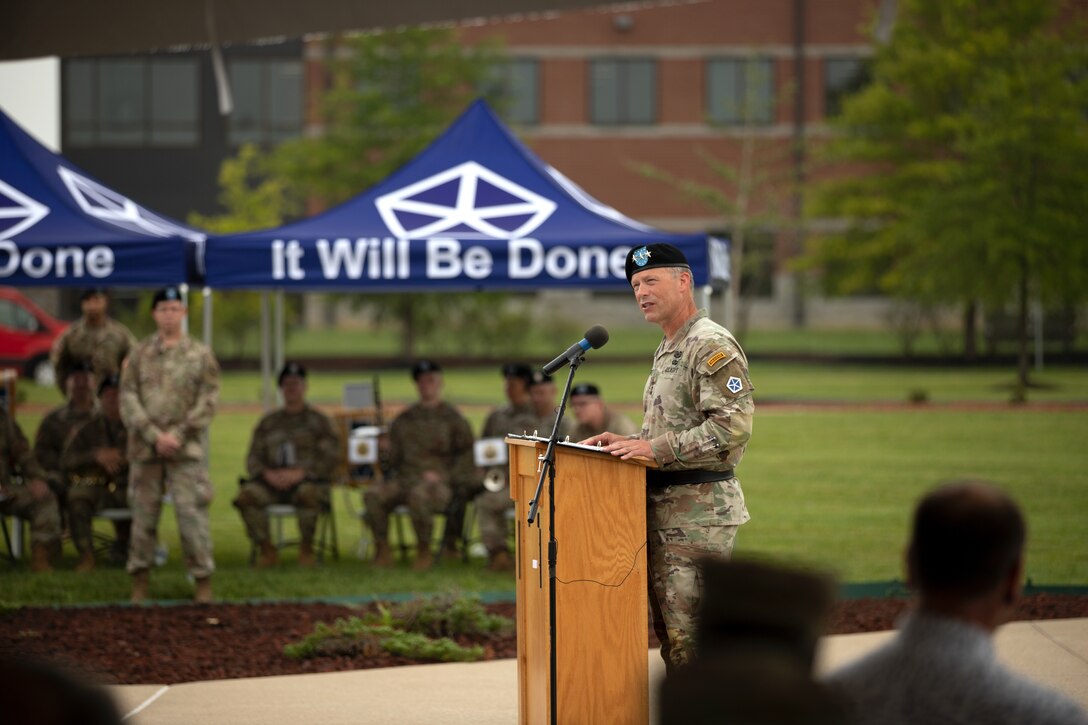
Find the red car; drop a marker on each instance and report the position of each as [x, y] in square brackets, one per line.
[27, 333]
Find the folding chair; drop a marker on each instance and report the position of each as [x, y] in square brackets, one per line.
[326, 540]
[104, 543]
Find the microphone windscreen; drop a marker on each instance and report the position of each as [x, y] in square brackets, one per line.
[596, 336]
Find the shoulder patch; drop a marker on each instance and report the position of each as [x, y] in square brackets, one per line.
[715, 359]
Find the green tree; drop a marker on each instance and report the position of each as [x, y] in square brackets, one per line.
[391, 94]
[972, 142]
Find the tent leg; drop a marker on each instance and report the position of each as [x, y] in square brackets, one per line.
[277, 329]
[208, 316]
[266, 362]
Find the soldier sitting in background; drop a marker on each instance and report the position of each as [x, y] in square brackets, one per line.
[430, 451]
[542, 395]
[594, 417]
[31, 499]
[60, 424]
[95, 467]
[292, 458]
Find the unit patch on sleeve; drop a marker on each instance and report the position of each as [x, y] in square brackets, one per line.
[733, 384]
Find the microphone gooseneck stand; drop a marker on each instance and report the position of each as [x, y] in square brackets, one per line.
[547, 469]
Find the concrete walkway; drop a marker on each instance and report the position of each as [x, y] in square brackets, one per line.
[1052, 652]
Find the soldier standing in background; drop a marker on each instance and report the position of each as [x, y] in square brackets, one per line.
[697, 419]
[32, 500]
[95, 467]
[60, 424]
[430, 451]
[292, 457]
[593, 416]
[96, 337]
[169, 390]
[517, 417]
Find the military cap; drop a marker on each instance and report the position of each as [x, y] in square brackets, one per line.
[88, 293]
[425, 366]
[167, 294]
[585, 389]
[291, 368]
[539, 378]
[518, 370]
[82, 365]
[110, 381]
[652, 256]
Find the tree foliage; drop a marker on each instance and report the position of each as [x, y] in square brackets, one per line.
[973, 146]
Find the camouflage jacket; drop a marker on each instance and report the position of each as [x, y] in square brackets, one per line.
[106, 346]
[613, 423]
[169, 389]
[15, 454]
[697, 414]
[506, 420]
[98, 432]
[543, 425]
[431, 439]
[57, 428]
[305, 440]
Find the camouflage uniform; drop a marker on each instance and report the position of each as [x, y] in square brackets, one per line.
[106, 346]
[173, 389]
[305, 440]
[91, 487]
[43, 514]
[491, 506]
[57, 428]
[613, 422]
[697, 413]
[421, 439]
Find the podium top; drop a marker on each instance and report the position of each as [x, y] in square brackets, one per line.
[526, 440]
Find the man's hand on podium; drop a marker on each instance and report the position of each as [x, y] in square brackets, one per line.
[622, 446]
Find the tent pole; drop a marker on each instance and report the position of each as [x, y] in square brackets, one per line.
[704, 298]
[266, 362]
[208, 316]
[277, 330]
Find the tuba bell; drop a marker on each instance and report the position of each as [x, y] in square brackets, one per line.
[494, 480]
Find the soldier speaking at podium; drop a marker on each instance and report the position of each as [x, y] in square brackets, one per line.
[697, 419]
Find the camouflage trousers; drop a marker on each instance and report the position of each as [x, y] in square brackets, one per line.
[43, 514]
[306, 497]
[83, 503]
[188, 485]
[675, 584]
[424, 500]
[491, 508]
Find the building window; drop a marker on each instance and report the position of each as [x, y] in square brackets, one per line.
[131, 102]
[842, 77]
[623, 91]
[740, 91]
[521, 89]
[267, 101]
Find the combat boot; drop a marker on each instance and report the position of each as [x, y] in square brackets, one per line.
[450, 553]
[39, 558]
[424, 558]
[203, 593]
[269, 555]
[501, 561]
[139, 587]
[86, 562]
[306, 554]
[383, 555]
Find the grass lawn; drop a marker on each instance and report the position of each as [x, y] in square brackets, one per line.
[831, 488]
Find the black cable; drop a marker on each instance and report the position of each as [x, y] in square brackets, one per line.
[594, 581]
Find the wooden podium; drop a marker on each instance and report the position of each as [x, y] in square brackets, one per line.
[599, 619]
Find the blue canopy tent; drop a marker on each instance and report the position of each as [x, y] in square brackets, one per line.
[61, 227]
[475, 210]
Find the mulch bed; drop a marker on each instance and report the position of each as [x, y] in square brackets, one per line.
[186, 643]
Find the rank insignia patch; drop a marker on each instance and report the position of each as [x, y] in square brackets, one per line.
[733, 384]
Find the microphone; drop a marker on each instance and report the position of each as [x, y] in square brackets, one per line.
[596, 337]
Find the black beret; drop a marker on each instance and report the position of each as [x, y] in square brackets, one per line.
[88, 293]
[291, 368]
[539, 378]
[651, 256]
[167, 294]
[82, 365]
[110, 381]
[585, 389]
[518, 370]
[425, 366]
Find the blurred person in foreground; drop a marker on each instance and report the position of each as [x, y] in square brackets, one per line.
[95, 466]
[95, 336]
[169, 391]
[24, 493]
[36, 692]
[594, 417]
[430, 452]
[697, 420]
[965, 562]
[292, 457]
